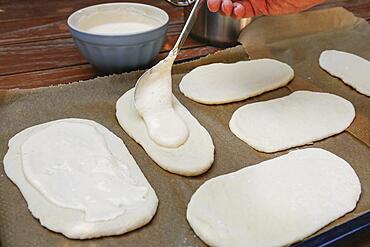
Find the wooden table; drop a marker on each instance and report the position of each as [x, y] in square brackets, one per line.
[37, 50]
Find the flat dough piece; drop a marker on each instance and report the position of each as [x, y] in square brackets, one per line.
[274, 203]
[353, 70]
[71, 222]
[221, 83]
[294, 120]
[192, 158]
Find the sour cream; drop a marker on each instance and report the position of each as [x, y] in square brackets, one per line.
[120, 28]
[123, 21]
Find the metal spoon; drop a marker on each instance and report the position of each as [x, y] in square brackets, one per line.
[140, 84]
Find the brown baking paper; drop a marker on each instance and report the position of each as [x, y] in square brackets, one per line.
[95, 99]
[299, 39]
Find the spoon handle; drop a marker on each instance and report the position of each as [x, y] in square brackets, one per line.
[187, 27]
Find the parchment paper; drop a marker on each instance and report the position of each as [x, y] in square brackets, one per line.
[299, 39]
[95, 99]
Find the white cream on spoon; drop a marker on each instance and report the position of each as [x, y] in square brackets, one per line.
[153, 96]
[153, 101]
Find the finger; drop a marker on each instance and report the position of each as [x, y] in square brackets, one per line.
[227, 7]
[214, 5]
[238, 11]
[249, 11]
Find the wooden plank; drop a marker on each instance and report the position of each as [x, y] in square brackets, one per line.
[80, 72]
[20, 31]
[41, 55]
[190, 54]
[48, 77]
[26, 9]
[171, 40]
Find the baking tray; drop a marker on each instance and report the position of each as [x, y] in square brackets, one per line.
[95, 99]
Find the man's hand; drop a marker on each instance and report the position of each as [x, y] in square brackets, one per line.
[249, 8]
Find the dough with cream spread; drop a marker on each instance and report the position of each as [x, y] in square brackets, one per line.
[221, 83]
[192, 158]
[276, 202]
[294, 120]
[352, 69]
[79, 179]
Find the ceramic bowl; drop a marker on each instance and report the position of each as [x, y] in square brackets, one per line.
[122, 48]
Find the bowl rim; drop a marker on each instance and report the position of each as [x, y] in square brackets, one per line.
[74, 28]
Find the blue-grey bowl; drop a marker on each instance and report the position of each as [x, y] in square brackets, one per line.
[117, 52]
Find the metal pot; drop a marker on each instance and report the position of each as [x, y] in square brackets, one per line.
[213, 28]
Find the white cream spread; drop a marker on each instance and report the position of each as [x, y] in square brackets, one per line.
[153, 101]
[72, 166]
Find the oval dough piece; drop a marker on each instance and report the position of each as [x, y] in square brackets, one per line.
[71, 222]
[221, 83]
[274, 203]
[353, 70]
[294, 120]
[192, 158]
